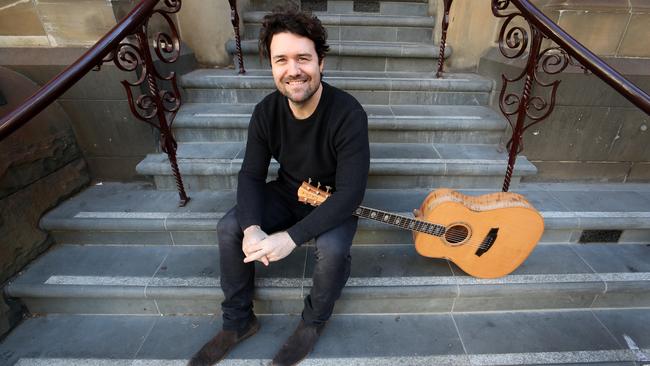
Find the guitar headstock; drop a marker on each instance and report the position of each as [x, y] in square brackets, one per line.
[311, 195]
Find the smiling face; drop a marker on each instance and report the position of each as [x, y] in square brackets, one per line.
[296, 70]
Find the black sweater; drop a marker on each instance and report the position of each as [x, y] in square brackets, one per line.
[330, 147]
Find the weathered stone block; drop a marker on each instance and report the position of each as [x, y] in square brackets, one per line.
[115, 168]
[634, 43]
[601, 5]
[4, 317]
[19, 18]
[76, 22]
[558, 171]
[611, 26]
[640, 172]
[593, 134]
[40, 147]
[21, 239]
[99, 112]
[107, 128]
[590, 133]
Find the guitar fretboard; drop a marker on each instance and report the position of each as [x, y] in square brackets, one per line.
[400, 221]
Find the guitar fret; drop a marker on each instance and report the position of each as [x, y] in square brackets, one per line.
[400, 221]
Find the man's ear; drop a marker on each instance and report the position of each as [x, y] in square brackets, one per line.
[321, 64]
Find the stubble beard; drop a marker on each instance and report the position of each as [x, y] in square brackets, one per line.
[303, 97]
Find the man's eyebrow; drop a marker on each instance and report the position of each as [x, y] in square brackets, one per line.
[306, 54]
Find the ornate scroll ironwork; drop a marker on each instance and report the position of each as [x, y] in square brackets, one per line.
[234, 19]
[155, 106]
[443, 39]
[523, 110]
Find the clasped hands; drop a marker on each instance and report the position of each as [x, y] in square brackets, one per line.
[258, 246]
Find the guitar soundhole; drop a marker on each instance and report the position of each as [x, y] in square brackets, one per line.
[456, 234]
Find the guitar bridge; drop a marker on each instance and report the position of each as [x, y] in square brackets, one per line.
[490, 238]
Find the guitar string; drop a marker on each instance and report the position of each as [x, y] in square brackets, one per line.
[414, 224]
[420, 226]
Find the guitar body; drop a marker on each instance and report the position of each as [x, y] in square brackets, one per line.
[487, 236]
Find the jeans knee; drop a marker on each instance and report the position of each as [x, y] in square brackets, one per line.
[228, 228]
[335, 244]
[331, 251]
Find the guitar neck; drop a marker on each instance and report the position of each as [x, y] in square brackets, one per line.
[399, 221]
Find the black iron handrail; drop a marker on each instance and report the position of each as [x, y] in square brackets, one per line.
[127, 46]
[523, 109]
[583, 55]
[73, 73]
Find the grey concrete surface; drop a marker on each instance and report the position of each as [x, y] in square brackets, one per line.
[385, 279]
[576, 337]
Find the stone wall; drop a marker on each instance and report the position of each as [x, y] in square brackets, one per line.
[41, 165]
[204, 25]
[610, 28]
[593, 134]
[111, 139]
[622, 31]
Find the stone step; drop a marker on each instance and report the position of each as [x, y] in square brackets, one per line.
[211, 122]
[370, 88]
[380, 7]
[354, 27]
[169, 280]
[135, 213]
[214, 165]
[378, 56]
[587, 337]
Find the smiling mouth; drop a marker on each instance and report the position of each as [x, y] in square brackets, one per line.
[296, 82]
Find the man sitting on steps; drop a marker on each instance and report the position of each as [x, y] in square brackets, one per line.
[315, 131]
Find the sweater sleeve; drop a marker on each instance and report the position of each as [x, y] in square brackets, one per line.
[353, 162]
[252, 176]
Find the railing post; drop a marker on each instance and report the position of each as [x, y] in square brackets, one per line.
[518, 129]
[167, 142]
[443, 39]
[234, 19]
[521, 109]
[157, 107]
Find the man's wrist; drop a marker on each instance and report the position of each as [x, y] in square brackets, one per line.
[252, 228]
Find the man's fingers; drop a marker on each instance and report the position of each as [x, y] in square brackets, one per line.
[265, 261]
[255, 256]
[253, 247]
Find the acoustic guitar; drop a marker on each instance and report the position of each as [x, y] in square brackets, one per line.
[487, 236]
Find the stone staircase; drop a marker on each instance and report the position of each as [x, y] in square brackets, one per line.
[135, 279]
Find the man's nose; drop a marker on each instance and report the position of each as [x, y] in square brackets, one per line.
[294, 68]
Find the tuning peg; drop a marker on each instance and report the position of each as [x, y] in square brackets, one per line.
[318, 186]
[309, 181]
[327, 189]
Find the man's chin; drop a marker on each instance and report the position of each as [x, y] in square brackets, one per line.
[297, 98]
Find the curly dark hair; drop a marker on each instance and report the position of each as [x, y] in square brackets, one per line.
[296, 22]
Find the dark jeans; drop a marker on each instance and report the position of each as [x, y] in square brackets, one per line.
[331, 270]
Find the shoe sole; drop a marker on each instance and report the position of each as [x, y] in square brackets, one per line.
[251, 332]
[254, 329]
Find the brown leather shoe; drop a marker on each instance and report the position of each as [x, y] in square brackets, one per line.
[298, 345]
[217, 348]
